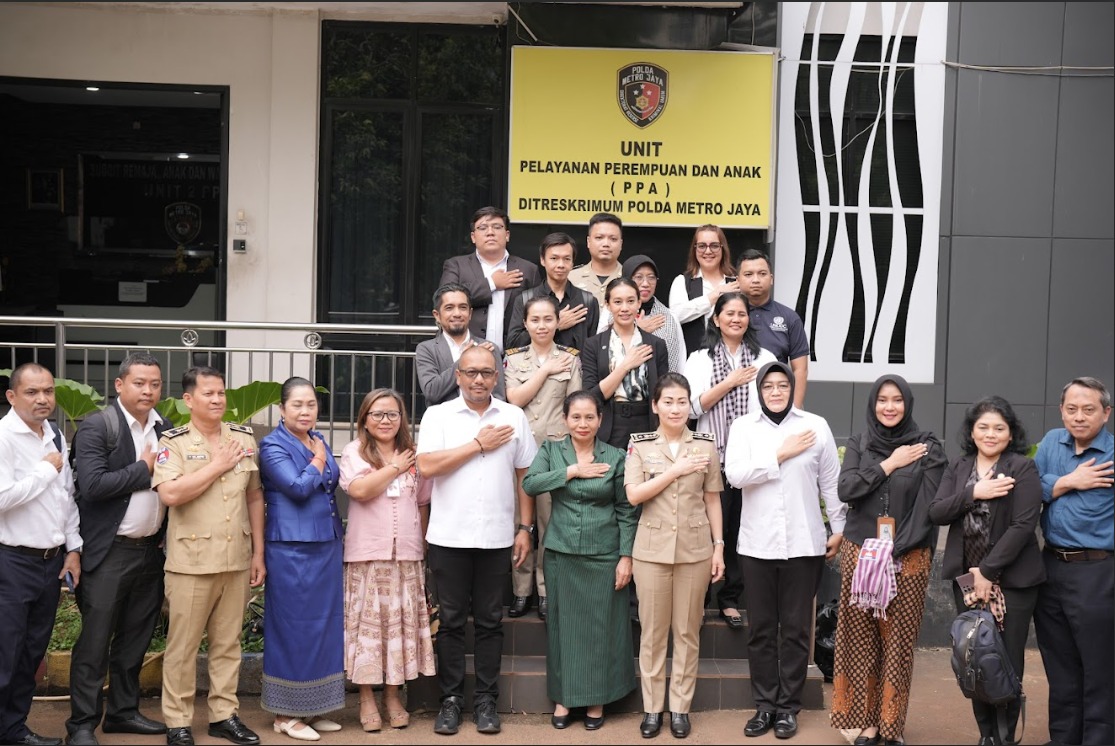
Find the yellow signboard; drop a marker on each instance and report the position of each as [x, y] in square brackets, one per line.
[658, 137]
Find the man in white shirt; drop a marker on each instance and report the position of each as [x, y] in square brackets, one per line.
[435, 360]
[39, 543]
[123, 524]
[782, 459]
[477, 449]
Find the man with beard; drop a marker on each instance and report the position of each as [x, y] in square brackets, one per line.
[436, 359]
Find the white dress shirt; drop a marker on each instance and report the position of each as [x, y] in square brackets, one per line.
[687, 309]
[37, 507]
[145, 513]
[494, 330]
[456, 349]
[474, 506]
[781, 513]
[698, 369]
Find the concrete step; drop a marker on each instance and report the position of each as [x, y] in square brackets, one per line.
[722, 684]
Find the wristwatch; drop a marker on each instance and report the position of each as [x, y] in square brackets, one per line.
[528, 529]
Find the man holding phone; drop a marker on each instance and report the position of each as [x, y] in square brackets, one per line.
[39, 542]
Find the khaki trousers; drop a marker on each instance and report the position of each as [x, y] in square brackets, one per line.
[671, 597]
[212, 604]
[529, 573]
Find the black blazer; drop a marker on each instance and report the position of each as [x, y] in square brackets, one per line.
[575, 336]
[466, 270]
[595, 368]
[106, 481]
[1013, 559]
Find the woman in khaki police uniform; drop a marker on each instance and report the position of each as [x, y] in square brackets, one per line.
[539, 377]
[679, 548]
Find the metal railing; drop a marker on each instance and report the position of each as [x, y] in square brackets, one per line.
[347, 359]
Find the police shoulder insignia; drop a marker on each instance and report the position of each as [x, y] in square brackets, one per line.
[704, 436]
[239, 428]
[641, 437]
[174, 432]
[513, 351]
[570, 350]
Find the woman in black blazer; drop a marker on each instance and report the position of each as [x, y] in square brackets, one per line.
[991, 501]
[622, 366]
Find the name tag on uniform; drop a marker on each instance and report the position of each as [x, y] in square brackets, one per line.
[395, 488]
[654, 464]
[197, 456]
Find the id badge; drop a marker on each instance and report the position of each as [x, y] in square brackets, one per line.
[884, 528]
[395, 488]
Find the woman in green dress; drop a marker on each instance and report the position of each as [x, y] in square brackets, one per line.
[588, 565]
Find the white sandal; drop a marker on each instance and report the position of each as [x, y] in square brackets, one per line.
[323, 724]
[305, 733]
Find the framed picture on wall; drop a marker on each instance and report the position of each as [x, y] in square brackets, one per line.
[44, 189]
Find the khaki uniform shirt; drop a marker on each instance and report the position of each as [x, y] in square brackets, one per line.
[585, 278]
[210, 533]
[674, 527]
[544, 410]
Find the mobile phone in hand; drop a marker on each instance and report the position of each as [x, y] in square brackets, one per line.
[69, 579]
[967, 582]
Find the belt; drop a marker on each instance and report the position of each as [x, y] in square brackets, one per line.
[1078, 555]
[143, 541]
[630, 408]
[36, 552]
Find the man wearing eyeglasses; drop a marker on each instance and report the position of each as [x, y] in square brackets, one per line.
[476, 449]
[493, 276]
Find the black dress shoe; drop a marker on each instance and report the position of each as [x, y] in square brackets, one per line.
[679, 724]
[592, 723]
[652, 723]
[543, 608]
[139, 724]
[561, 722]
[179, 737]
[734, 621]
[518, 606]
[874, 740]
[234, 730]
[758, 725]
[82, 737]
[34, 739]
[785, 725]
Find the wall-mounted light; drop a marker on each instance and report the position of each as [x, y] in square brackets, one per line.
[92, 88]
[183, 156]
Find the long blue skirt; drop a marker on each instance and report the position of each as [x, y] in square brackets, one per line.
[303, 628]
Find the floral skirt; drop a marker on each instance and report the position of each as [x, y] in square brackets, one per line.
[387, 625]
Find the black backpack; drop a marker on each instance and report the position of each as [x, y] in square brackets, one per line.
[980, 661]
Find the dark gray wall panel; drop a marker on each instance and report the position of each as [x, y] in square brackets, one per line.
[1011, 33]
[1006, 137]
[1085, 187]
[996, 338]
[1088, 35]
[1032, 418]
[833, 401]
[1081, 309]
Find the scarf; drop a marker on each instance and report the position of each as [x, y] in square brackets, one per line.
[634, 386]
[734, 403]
[997, 604]
[775, 417]
[873, 582]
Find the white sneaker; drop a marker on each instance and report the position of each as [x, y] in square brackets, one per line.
[290, 727]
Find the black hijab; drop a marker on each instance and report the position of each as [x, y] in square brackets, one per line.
[883, 440]
[775, 367]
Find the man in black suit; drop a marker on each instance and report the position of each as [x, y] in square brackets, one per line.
[492, 276]
[436, 359]
[123, 525]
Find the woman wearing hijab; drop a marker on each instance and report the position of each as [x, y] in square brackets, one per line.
[785, 463]
[654, 317]
[890, 475]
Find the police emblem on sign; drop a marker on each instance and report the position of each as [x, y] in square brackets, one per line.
[182, 221]
[642, 92]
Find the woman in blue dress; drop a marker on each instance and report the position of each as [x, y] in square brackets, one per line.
[303, 665]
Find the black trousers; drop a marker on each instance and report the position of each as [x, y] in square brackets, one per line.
[120, 603]
[470, 580]
[779, 596]
[29, 590]
[1016, 628]
[730, 592]
[1074, 617]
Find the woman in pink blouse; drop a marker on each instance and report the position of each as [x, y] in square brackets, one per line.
[387, 625]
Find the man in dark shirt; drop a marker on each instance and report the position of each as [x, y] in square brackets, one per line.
[578, 311]
[778, 327]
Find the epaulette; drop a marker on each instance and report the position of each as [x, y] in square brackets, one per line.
[704, 436]
[174, 432]
[570, 350]
[513, 350]
[239, 428]
[641, 437]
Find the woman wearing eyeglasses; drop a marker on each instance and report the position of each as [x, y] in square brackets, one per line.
[708, 275]
[387, 625]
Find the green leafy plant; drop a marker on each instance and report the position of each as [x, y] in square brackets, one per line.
[243, 403]
[74, 398]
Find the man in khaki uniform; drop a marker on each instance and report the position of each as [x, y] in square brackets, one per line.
[539, 387]
[207, 473]
[605, 241]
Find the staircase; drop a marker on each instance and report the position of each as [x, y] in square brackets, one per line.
[723, 675]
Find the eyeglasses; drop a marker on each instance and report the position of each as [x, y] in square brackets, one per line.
[381, 416]
[486, 373]
[766, 388]
[644, 279]
[485, 227]
[709, 248]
